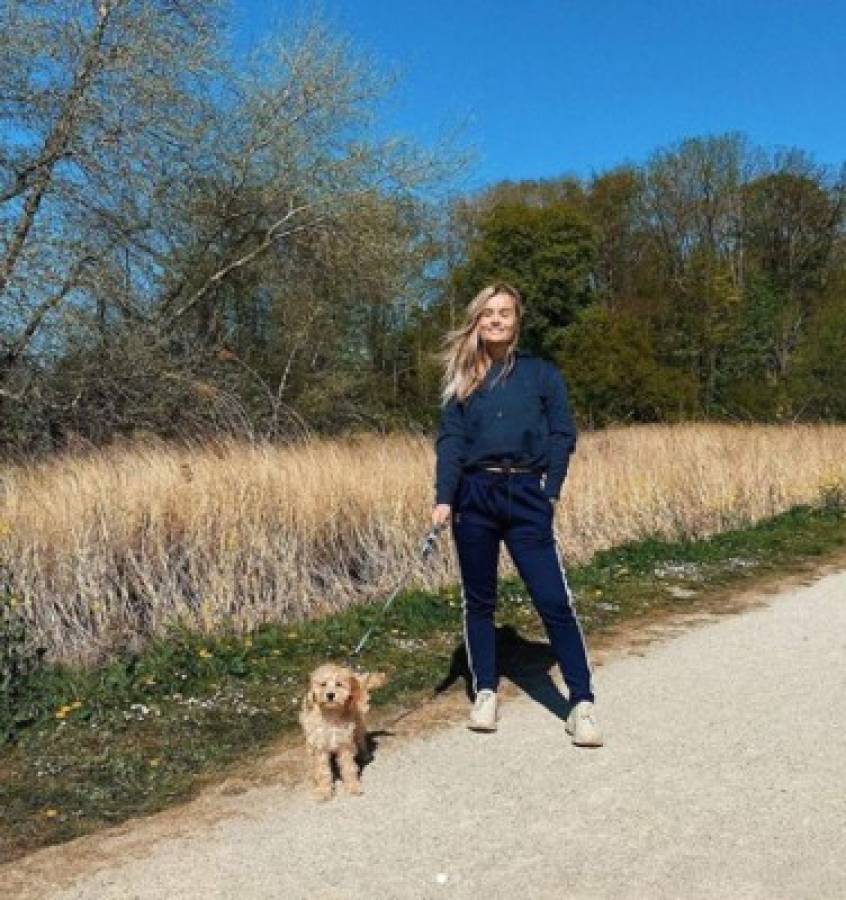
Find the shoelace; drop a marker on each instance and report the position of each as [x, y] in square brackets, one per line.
[587, 713]
[482, 698]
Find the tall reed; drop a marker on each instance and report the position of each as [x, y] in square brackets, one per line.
[105, 549]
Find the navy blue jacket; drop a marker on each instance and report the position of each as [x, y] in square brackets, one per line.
[525, 418]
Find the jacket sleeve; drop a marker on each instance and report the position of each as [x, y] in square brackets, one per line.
[562, 429]
[450, 452]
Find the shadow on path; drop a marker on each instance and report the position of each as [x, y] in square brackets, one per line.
[525, 663]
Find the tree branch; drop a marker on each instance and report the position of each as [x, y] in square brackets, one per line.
[273, 233]
[55, 145]
[18, 347]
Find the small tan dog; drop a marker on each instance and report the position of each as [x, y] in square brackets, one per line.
[332, 718]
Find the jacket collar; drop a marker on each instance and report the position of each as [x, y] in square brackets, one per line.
[517, 353]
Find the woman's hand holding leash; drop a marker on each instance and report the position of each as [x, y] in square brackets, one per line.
[441, 515]
[431, 538]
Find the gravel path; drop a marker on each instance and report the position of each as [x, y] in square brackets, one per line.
[723, 775]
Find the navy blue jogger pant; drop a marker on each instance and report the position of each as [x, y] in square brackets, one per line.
[494, 506]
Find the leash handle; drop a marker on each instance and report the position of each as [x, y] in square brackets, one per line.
[430, 541]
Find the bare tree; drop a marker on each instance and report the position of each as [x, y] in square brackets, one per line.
[692, 206]
[142, 174]
[101, 116]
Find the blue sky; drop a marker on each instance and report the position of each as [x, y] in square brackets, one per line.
[548, 87]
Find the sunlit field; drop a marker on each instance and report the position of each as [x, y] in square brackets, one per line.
[105, 549]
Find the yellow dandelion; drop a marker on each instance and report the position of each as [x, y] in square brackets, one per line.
[154, 762]
[51, 813]
[205, 654]
[248, 642]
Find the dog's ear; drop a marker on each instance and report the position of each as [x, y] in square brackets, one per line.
[375, 680]
[369, 681]
[310, 700]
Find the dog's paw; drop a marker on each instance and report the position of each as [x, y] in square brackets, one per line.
[354, 787]
[323, 793]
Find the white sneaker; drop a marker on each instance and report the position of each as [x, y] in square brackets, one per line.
[581, 724]
[483, 716]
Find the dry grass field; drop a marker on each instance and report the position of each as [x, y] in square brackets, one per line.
[106, 548]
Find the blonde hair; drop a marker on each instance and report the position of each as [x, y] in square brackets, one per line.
[464, 356]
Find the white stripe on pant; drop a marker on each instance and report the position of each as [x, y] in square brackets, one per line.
[571, 603]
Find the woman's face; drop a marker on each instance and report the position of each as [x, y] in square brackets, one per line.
[497, 320]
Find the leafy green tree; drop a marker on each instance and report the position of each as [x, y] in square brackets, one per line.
[818, 382]
[792, 223]
[547, 253]
[613, 205]
[613, 375]
[746, 384]
[692, 208]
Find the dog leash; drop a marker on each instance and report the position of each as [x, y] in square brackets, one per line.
[427, 547]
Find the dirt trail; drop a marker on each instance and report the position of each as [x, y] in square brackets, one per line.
[722, 776]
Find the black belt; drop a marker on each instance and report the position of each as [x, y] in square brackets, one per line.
[505, 468]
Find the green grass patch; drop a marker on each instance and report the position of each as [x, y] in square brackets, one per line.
[88, 748]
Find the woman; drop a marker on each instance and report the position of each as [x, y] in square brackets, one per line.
[503, 448]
